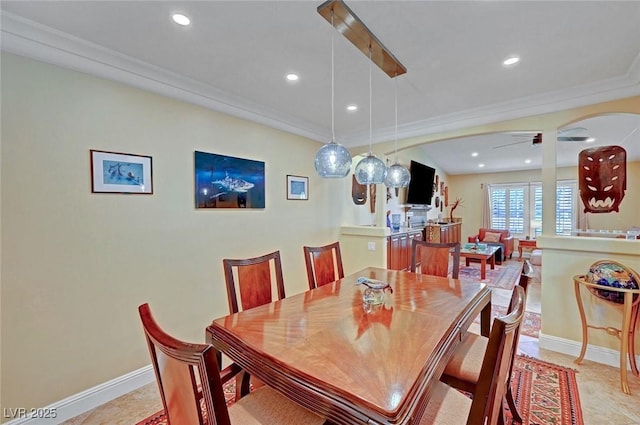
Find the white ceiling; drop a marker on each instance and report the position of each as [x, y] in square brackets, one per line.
[235, 54]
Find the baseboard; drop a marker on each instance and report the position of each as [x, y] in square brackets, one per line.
[594, 353]
[90, 399]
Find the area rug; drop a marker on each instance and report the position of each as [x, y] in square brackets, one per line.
[545, 394]
[504, 276]
[530, 324]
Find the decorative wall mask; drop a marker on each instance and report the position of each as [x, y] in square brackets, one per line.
[358, 191]
[602, 178]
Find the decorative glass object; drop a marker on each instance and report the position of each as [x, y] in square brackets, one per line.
[397, 176]
[370, 170]
[333, 161]
[374, 291]
[613, 275]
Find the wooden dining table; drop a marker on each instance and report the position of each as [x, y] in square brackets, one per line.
[351, 362]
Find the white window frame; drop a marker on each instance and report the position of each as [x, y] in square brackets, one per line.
[532, 222]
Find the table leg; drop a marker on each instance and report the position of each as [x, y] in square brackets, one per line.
[483, 268]
[635, 313]
[493, 262]
[485, 320]
[467, 261]
[624, 340]
[520, 252]
[585, 335]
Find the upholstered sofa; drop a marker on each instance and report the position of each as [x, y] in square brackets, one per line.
[504, 241]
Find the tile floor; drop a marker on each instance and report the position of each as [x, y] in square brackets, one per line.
[601, 398]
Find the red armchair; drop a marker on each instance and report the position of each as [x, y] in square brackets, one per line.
[505, 240]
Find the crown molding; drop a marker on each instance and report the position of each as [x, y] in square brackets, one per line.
[627, 85]
[30, 39]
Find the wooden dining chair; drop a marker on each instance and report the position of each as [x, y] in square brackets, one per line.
[449, 406]
[254, 280]
[190, 385]
[254, 284]
[463, 370]
[433, 258]
[324, 264]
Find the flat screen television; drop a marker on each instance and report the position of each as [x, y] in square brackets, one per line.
[420, 190]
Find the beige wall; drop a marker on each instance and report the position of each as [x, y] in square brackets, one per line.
[76, 265]
[469, 186]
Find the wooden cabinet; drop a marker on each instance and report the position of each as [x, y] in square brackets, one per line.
[399, 249]
[443, 233]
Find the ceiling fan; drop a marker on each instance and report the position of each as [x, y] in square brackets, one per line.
[575, 134]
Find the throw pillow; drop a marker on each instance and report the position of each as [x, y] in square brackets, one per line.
[491, 237]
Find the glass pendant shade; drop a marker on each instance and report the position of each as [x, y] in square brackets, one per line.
[333, 161]
[397, 176]
[370, 170]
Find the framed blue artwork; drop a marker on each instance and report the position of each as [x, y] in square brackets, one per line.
[228, 182]
[113, 172]
[298, 187]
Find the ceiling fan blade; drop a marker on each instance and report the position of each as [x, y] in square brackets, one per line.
[572, 138]
[572, 130]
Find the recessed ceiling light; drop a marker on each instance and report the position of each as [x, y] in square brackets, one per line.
[527, 161]
[590, 140]
[474, 154]
[511, 60]
[292, 77]
[352, 108]
[181, 19]
[481, 165]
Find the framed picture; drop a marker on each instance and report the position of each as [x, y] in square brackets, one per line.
[228, 182]
[113, 172]
[297, 187]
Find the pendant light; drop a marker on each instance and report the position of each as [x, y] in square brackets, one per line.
[397, 175]
[333, 160]
[370, 170]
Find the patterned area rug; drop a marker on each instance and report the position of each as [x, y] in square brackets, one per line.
[545, 393]
[504, 276]
[530, 324]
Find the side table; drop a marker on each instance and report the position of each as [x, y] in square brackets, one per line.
[530, 244]
[626, 335]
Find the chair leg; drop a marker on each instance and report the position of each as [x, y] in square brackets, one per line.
[512, 406]
[245, 385]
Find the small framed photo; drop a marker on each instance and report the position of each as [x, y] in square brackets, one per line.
[113, 172]
[297, 187]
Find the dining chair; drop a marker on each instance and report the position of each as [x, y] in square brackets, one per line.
[254, 280]
[449, 406]
[433, 258]
[254, 285]
[324, 264]
[190, 385]
[463, 370]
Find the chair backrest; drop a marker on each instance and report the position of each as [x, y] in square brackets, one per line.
[486, 407]
[434, 258]
[187, 376]
[324, 264]
[254, 283]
